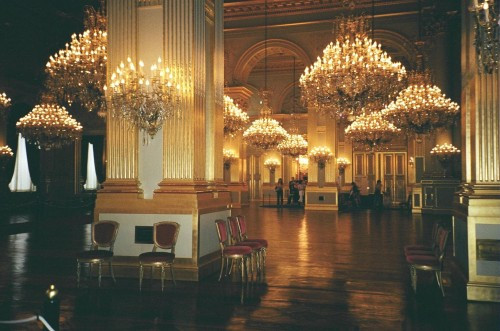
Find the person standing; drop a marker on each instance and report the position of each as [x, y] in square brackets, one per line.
[291, 190]
[354, 196]
[279, 192]
[302, 190]
[378, 198]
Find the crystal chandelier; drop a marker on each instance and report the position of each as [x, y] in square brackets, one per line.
[293, 145]
[371, 130]
[354, 75]
[421, 107]
[229, 156]
[49, 126]
[271, 164]
[77, 74]
[234, 117]
[4, 104]
[265, 133]
[487, 40]
[321, 155]
[144, 100]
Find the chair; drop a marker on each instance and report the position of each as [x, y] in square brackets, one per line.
[238, 254]
[242, 226]
[429, 262]
[257, 247]
[412, 249]
[165, 237]
[103, 236]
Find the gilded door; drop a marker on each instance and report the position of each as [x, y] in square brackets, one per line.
[394, 176]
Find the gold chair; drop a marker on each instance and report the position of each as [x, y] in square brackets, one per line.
[165, 237]
[103, 236]
[238, 254]
[257, 247]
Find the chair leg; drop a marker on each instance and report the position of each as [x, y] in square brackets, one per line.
[172, 274]
[78, 273]
[141, 275]
[439, 279]
[243, 269]
[223, 261]
[413, 275]
[112, 272]
[162, 276]
[100, 270]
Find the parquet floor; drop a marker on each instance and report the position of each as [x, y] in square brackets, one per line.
[324, 271]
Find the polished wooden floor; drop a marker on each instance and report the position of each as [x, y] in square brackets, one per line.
[324, 271]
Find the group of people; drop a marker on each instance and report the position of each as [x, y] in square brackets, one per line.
[296, 191]
[355, 196]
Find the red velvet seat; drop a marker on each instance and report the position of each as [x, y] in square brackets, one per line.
[430, 262]
[256, 246]
[164, 237]
[103, 236]
[239, 254]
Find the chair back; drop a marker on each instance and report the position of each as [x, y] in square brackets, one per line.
[234, 230]
[165, 235]
[443, 239]
[104, 234]
[222, 232]
[242, 225]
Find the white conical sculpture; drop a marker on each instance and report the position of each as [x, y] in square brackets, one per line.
[21, 179]
[91, 183]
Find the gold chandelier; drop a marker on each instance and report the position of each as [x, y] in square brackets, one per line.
[77, 74]
[321, 155]
[445, 154]
[354, 75]
[371, 130]
[293, 145]
[265, 133]
[144, 100]
[342, 163]
[49, 126]
[487, 39]
[4, 102]
[421, 107]
[234, 117]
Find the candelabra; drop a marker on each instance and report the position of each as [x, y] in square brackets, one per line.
[49, 126]
[234, 118]
[271, 164]
[144, 101]
[229, 157]
[487, 40]
[445, 154]
[321, 155]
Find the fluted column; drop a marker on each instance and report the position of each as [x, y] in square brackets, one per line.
[476, 221]
[121, 137]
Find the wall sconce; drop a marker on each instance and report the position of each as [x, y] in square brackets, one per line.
[271, 164]
[411, 161]
[229, 157]
[321, 155]
[487, 40]
[342, 163]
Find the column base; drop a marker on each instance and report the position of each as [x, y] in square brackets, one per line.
[322, 198]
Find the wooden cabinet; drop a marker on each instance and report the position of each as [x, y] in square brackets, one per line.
[438, 195]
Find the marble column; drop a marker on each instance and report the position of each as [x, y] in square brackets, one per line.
[476, 221]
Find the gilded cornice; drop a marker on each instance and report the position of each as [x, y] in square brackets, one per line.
[255, 8]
